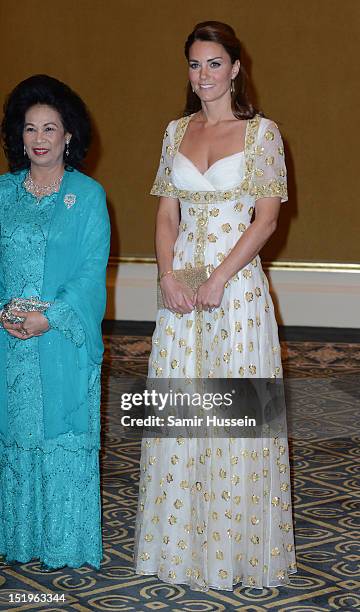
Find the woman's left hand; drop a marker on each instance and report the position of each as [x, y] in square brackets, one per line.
[35, 324]
[210, 294]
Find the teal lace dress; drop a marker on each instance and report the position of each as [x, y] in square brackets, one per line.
[50, 492]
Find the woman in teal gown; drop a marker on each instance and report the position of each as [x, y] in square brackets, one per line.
[54, 242]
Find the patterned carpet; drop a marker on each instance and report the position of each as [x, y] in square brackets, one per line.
[324, 389]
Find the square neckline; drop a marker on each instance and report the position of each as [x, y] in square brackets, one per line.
[220, 158]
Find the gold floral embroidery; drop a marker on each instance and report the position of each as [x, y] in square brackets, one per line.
[148, 537]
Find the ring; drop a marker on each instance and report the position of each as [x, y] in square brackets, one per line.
[211, 309]
[24, 332]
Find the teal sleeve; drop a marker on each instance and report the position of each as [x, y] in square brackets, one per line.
[64, 319]
[3, 298]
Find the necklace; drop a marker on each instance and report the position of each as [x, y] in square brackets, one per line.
[39, 191]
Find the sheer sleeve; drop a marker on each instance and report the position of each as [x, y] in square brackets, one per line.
[65, 320]
[163, 185]
[269, 178]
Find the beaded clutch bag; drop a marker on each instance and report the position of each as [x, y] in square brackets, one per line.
[31, 304]
[192, 277]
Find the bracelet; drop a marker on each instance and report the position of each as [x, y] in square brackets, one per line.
[165, 273]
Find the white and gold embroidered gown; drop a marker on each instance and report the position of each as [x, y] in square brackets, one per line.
[216, 512]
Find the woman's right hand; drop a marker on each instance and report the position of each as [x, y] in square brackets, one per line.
[177, 297]
[15, 330]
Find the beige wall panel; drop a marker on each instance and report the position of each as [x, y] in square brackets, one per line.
[125, 58]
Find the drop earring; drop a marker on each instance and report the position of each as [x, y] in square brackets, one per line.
[232, 86]
[67, 148]
[25, 151]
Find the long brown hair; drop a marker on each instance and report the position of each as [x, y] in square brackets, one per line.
[223, 34]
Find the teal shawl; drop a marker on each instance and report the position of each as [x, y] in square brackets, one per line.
[75, 272]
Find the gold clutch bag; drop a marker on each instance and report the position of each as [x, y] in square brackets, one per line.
[192, 277]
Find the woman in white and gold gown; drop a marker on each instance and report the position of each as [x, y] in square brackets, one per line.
[215, 512]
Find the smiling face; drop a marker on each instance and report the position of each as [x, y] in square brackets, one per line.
[211, 70]
[44, 136]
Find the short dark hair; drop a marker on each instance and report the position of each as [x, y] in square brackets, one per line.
[223, 34]
[44, 89]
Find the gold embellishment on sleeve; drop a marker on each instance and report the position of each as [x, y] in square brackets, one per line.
[268, 189]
